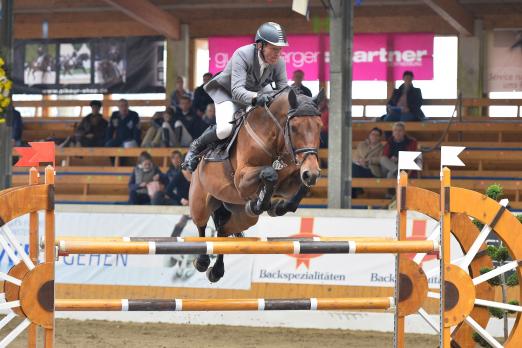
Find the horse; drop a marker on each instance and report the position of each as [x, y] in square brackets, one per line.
[42, 63]
[272, 166]
[74, 62]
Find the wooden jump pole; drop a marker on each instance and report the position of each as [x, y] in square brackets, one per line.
[258, 247]
[217, 239]
[224, 304]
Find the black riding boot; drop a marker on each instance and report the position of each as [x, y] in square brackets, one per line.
[197, 146]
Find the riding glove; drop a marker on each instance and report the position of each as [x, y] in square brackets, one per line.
[261, 100]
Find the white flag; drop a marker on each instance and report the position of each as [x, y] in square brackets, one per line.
[407, 161]
[449, 156]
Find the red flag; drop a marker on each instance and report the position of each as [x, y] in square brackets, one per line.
[38, 152]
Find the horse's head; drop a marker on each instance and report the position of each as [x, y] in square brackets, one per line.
[303, 132]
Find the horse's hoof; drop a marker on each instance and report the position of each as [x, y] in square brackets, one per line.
[275, 209]
[215, 274]
[249, 210]
[201, 263]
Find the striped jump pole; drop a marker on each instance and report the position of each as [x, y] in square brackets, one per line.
[66, 247]
[219, 239]
[307, 304]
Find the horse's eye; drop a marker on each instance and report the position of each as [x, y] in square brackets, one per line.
[294, 128]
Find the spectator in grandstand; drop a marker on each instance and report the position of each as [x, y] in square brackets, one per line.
[146, 182]
[92, 129]
[170, 135]
[18, 127]
[177, 191]
[124, 127]
[186, 123]
[399, 141]
[298, 78]
[201, 98]
[367, 157]
[179, 92]
[325, 114]
[405, 102]
[153, 136]
[210, 114]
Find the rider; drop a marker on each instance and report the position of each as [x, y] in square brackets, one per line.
[241, 84]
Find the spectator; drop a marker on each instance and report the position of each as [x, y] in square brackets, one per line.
[399, 141]
[171, 135]
[177, 191]
[366, 159]
[192, 126]
[153, 136]
[210, 114]
[179, 92]
[405, 102]
[92, 129]
[124, 127]
[325, 114]
[146, 182]
[201, 98]
[18, 127]
[298, 78]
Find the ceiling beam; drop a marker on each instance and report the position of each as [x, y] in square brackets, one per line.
[150, 15]
[453, 13]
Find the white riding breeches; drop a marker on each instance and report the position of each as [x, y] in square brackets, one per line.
[224, 115]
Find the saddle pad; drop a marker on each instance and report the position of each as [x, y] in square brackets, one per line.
[221, 151]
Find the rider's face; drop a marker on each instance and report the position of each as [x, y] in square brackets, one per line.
[271, 53]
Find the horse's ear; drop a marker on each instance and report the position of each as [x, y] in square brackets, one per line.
[319, 97]
[292, 99]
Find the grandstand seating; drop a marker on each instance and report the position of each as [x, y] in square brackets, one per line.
[493, 155]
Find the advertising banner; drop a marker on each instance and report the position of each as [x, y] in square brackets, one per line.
[505, 61]
[105, 65]
[375, 56]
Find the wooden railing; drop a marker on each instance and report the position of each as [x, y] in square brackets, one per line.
[470, 107]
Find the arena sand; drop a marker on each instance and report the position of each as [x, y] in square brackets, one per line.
[100, 334]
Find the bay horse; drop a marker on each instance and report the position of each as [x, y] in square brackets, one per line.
[271, 167]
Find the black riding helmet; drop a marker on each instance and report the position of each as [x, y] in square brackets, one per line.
[271, 33]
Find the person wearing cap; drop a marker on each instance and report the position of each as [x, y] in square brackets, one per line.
[244, 82]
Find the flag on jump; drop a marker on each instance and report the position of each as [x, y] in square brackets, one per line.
[38, 153]
[449, 156]
[407, 161]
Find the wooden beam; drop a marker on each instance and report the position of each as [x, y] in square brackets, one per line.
[453, 13]
[150, 15]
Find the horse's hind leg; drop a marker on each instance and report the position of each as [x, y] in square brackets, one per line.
[201, 206]
[202, 262]
[228, 226]
[220, 216]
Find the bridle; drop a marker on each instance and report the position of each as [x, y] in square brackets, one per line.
[287, 134]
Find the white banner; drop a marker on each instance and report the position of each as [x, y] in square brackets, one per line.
[504, 61]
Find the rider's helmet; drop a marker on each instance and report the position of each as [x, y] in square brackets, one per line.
[271, 33]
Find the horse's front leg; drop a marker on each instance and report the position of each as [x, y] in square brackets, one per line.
[281, 207]
[249, 183]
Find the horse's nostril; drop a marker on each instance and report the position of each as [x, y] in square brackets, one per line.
[306, 175]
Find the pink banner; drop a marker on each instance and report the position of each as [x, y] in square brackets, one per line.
[375, 56]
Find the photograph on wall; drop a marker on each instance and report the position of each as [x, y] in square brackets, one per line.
[110, 63]
[95, 65]
[159, 68]
[505, 61]
[40, 64]
[75, 63]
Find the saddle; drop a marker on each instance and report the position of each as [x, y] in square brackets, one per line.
[220, 151]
